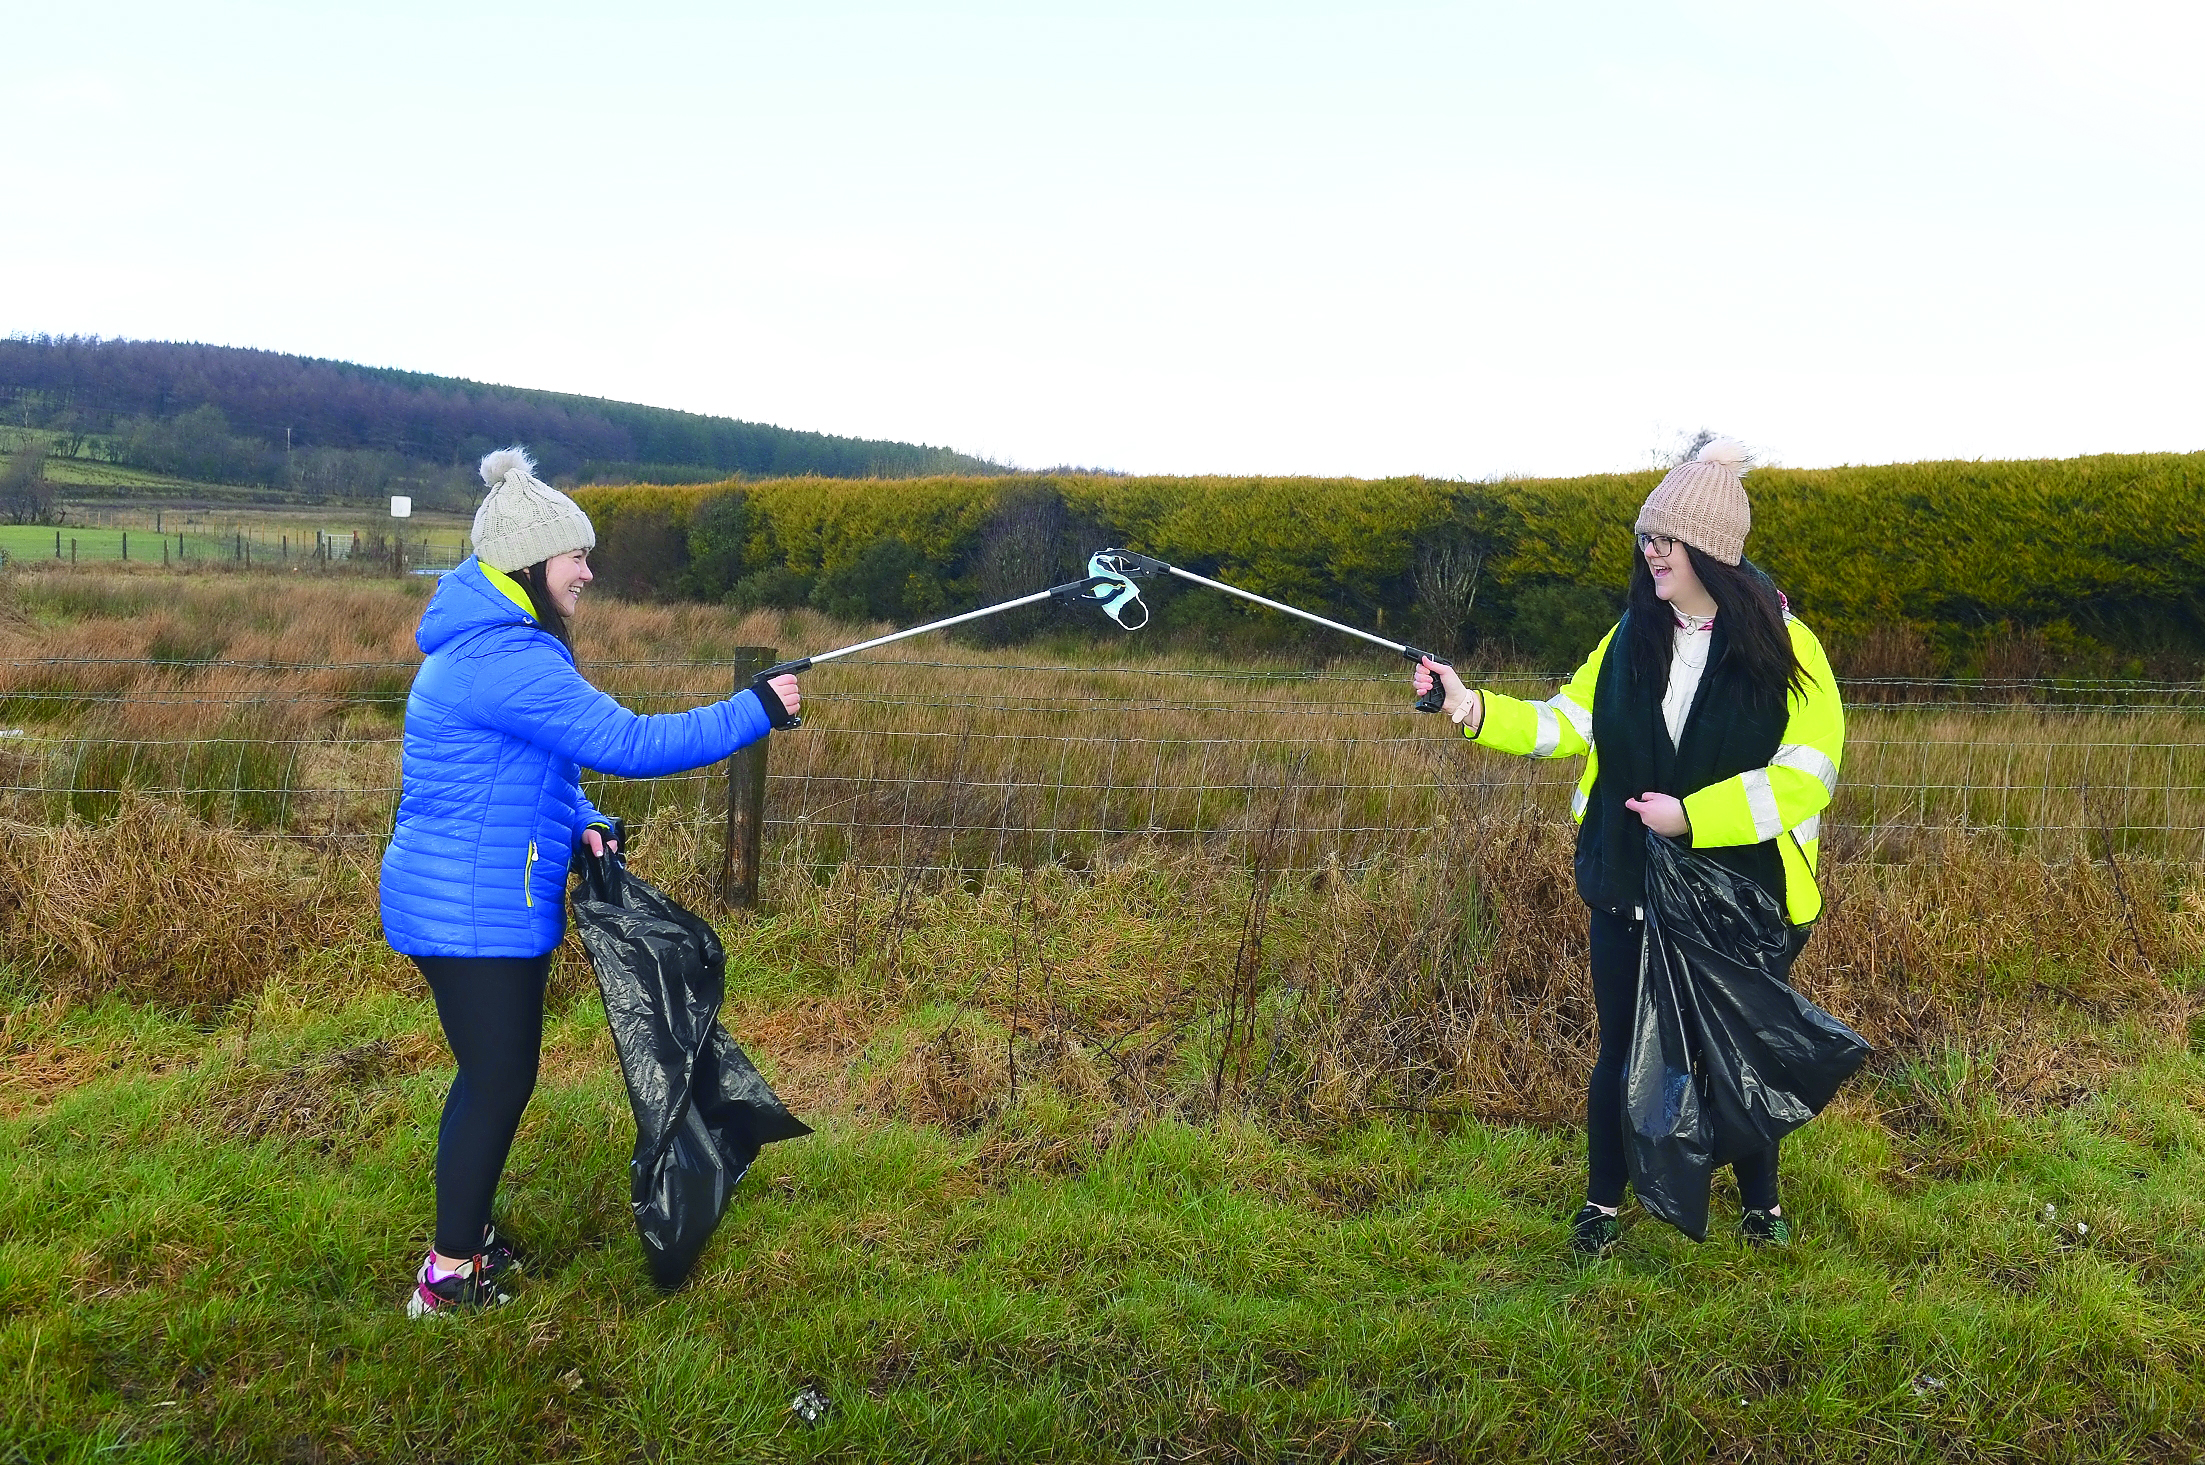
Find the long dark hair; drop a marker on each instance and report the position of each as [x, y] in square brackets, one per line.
[548, 616]
[1748, 609]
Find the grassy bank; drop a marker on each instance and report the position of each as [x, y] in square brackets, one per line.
[1055, 1212]
[1257, 1144]
[201, 1266]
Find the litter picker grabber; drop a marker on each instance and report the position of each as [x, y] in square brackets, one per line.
[1128, 566]
[1106, 589]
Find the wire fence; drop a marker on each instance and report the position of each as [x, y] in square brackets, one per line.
[967, 765]
[305, 548]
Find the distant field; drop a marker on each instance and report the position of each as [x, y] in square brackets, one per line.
[198, 532]
[224, 538]
[98, 496]
[83, 473]
[37, 542]
[97, 477]
[268, 523]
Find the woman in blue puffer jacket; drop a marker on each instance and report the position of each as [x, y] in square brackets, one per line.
[499, 725]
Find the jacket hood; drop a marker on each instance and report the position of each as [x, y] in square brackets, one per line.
[465, 602]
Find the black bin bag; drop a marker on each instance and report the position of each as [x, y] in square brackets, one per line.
[702, 1112]
[1725, 1057]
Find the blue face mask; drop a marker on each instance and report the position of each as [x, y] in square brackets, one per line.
[1120, 599]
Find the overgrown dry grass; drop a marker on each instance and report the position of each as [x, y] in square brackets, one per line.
[1222, 894]
[273, 703]
[1166, 983]
[157, 905]
[1449, 983]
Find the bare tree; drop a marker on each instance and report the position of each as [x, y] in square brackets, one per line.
[1021, 549]
[1449, 567]
[26, 494]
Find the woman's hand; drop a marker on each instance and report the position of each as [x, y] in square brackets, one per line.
[784, 687]
[1660, 813]
[1462, 704]
[593, 840]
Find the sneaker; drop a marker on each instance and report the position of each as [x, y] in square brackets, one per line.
[469, 1289]
[1594, 1233]
[500, 1260]
[1762, 1229]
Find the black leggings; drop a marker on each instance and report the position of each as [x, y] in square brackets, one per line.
[1615, 943]
[492, 1008]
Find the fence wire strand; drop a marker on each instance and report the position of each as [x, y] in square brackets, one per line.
[943, 764]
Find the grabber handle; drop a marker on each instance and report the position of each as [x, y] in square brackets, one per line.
[781, 718]
[1436, 699]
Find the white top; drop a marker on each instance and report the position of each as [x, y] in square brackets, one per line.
[1687, 659]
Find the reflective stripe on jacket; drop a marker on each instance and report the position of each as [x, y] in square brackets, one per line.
[1782, 802]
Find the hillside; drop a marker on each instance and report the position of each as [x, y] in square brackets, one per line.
[219, 414]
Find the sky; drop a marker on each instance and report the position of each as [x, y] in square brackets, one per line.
[1365, 238]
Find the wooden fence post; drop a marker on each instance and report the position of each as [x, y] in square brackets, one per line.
[746, 797]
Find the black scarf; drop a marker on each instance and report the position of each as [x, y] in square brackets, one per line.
[1728, 731]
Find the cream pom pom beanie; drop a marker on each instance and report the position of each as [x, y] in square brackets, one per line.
[524, 521]
[1703, 502]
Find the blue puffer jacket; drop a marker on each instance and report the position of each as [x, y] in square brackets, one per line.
[492, 804]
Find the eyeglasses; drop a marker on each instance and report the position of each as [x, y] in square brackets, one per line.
[1661, 544]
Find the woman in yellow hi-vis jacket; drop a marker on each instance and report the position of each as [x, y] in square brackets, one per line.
[1708, 715]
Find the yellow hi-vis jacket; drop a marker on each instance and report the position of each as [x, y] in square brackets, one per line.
[1782, 802]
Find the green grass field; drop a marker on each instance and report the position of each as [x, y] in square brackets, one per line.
[87, 544]
[211, 537]
[100, 501]
[264, 524]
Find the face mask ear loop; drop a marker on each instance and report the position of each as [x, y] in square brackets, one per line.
[1118, 599]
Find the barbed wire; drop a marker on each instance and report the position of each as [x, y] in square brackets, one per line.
[392, 698]
[884, 777]
[1296, 674]
[1039, 792]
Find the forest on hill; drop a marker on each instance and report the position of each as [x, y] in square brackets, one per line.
[331, 429]
[2085, 567]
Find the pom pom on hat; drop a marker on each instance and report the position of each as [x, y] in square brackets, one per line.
[1703, 502]
[496, 465]
[524, 521]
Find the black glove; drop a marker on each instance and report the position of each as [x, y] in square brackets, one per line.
[776, 713]
[615, 832]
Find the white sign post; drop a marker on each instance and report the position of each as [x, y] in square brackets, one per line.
[401, 507]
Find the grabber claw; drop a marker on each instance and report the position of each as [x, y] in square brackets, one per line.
[1113, 589]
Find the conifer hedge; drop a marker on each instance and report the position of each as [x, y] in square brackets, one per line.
[2098, 564]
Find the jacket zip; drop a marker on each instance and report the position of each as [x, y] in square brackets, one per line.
[528, 872]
